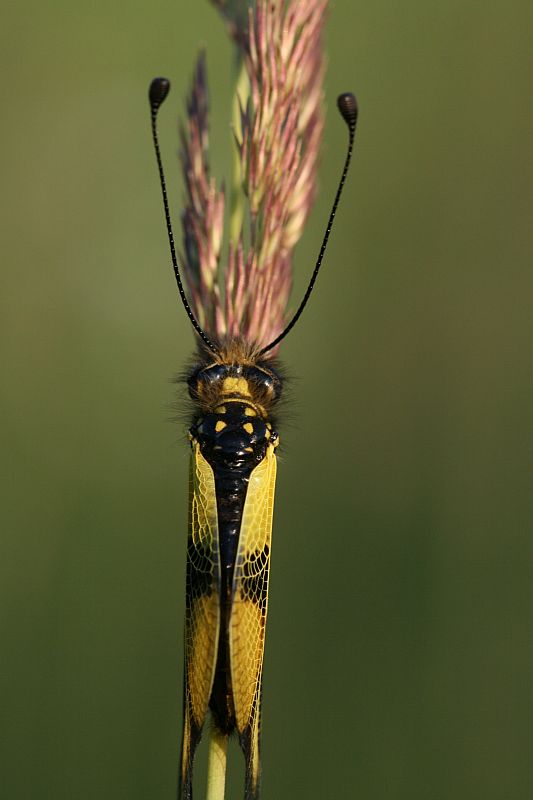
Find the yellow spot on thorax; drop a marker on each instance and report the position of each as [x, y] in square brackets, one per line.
[220, 425]
[234, 385]
[250, 412]
[248, 427]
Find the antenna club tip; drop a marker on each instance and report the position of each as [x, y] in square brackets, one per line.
[347, 105]
[159, 88]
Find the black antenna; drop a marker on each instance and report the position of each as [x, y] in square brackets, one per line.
[347, 105]
[159, 89]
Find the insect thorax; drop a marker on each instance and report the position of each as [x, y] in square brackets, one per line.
[233, 424]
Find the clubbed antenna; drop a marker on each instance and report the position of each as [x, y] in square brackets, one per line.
[159, 89]
[347, 105]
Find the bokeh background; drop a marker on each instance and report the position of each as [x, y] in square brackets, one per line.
[400, 647]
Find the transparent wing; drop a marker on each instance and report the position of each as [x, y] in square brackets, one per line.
[202, 615]
[249, 611]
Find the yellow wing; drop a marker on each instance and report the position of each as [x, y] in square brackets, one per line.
[249, 611]
[202, 615]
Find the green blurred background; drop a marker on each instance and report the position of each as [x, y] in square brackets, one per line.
[400, 647]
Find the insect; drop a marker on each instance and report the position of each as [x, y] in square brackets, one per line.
[235, 388]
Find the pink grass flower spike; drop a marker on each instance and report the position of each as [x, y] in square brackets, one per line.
[278, 134]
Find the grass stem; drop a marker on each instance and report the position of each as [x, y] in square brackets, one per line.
[216, 765]
[237, 200]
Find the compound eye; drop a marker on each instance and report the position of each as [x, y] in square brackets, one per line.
[213, 375]
[266, 381]
[204, 378]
